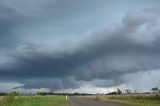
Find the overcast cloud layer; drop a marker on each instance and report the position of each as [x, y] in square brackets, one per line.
[74, 45]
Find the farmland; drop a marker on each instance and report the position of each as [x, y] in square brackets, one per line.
[33, 101]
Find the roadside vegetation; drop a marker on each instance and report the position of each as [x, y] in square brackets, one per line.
[133, 100]
[17, 100]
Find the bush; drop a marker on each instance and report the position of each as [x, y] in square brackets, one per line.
[98, 97]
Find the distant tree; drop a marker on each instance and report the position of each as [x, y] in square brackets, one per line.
[76, 93]
[128, 91]
[135, 91]
[155, 90]
[13, 93]
[112, 93]
[3, 94]
[119, 92]
[45, 93]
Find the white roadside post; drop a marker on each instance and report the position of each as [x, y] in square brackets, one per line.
[66, 97]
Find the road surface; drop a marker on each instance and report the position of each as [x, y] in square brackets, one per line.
[78, 101]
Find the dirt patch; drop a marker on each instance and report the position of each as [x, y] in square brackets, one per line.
[1, 97]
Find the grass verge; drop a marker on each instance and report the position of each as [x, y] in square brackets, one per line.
[34, 101]
[132, 100]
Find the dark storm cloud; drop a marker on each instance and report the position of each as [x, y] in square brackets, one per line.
[106, 55]
[8, 20]
[101, 59]
[16, 16]
[51, 83]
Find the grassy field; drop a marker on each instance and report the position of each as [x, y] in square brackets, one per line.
[133, 100]
[34, 101]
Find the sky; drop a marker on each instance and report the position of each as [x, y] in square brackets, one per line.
[86, 46]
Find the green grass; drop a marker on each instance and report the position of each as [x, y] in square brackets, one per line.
[133, 100]
[34, 101]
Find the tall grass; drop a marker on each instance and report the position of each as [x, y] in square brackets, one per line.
[134, 100]
[136, 96]
[8, 100]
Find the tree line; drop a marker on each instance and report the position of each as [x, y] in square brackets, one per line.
[117, 92]
[128, 91]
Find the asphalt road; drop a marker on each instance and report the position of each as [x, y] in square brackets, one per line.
[78, 101]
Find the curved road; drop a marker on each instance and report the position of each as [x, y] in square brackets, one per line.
[78, 101]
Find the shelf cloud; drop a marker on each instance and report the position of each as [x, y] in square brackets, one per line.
[41, 51]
